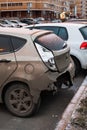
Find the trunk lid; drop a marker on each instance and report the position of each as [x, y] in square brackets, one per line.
[62, 59]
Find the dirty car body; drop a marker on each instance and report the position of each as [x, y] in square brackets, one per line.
[31, 61]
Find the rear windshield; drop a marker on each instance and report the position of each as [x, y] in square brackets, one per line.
[51, 41]
[83, 31]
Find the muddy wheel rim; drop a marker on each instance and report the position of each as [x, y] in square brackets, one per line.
[20, 100]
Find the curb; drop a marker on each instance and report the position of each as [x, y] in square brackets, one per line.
[62, 124]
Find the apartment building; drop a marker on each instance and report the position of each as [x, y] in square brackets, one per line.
[80, 8]
[84, 8]
[78, 11]
[33, 8]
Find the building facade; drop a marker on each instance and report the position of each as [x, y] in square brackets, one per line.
[78, 5]
[80, 8]
[84, 8]
[34, 8]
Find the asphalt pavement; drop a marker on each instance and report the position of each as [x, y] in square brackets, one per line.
[49, 114]
[67, 115]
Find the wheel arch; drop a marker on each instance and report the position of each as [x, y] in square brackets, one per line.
[35, 93]
[75, 58]
[5, 91]
[77, 63]
[9, 85]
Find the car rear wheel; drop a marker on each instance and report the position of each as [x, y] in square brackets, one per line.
[77, 66]
[19, 101]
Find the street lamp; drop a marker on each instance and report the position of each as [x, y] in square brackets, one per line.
[29, 5]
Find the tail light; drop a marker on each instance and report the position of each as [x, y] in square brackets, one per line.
[47, 56]
[83, 45]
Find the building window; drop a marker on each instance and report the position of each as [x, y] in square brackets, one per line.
[11, 4]
[3, 5]
[45, 5]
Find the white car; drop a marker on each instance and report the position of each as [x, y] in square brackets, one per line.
[75, 34]
[7, 23]
[20, 24]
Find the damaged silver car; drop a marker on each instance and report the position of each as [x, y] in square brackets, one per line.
[31, 61]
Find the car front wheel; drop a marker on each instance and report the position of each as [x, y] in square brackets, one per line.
[19, 101]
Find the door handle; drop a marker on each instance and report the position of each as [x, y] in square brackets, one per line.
[5, 61]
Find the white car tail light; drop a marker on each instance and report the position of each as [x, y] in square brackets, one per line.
[83, 45]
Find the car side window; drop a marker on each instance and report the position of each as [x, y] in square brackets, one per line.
[9, 44]
[5, 44]
[63, 33]
[51, 28]
[60, 31]
[18, 43]
[83, 31]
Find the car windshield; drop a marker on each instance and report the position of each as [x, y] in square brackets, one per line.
[83, 31]
[51, 41]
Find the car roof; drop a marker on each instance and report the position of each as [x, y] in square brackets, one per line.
[23, 31]
[65, 24]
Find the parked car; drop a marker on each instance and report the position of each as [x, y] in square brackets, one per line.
[39, 20]
[7, 23]
[31, 61]
[19, 24]
[75, 34]
[28, 21]
[2, 25]
[76, 20]
[56, 21]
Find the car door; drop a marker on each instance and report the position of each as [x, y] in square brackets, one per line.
[7, 58]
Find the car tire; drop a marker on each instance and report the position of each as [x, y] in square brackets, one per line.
[19, 101]
[77, 66]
